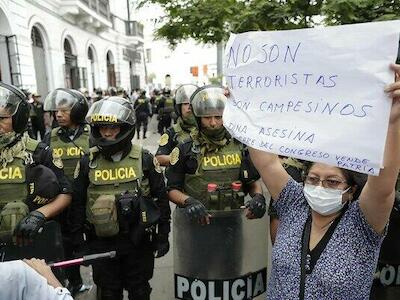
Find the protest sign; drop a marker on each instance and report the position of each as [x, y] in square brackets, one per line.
[314, 94]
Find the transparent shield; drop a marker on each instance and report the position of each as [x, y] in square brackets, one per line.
[107, 111]
[59, 100]
[8, 102]
[208, 101]
[184, 92]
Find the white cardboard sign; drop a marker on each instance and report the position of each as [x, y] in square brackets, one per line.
[314, 94]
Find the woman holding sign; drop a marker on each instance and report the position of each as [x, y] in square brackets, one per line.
[327, 246]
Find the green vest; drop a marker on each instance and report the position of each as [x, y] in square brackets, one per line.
[108, 178]
[71, 152]
[169, 106]
[180, 134]
[13, 178]
[222, 168]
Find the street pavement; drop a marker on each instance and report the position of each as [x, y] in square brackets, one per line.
[163, 279]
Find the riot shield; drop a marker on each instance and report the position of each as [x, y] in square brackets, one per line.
[386, 285]
[47, 245]
[226, 259]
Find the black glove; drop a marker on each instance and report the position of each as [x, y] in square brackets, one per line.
[194, 209]
[27, 229]
[162, 245]
[257, 205]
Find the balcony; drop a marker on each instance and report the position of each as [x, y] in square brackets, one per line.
[133, 28]
[95, 13]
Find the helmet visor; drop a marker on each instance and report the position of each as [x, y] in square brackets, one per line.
[9, 102]
[59, 100]
[208, 102]
[109, 112]
[184, 92]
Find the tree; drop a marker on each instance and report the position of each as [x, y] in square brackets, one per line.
[212, 21]
[338, 12]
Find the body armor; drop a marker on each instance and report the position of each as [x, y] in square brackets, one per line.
[108, 180]
[168, 106]
[13, 178]
[221, 168]
[71, 152]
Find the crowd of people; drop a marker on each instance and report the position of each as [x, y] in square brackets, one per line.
[70, 159]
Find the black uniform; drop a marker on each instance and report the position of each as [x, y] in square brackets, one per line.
[142, 110]
[37, 120]
[164, 114]
[134, 264]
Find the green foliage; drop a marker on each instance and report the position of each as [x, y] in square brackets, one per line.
[212, 21]
[338, 12]
[216, 80]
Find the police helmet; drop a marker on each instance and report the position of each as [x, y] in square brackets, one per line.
[112, 111]
[13, 102]
[208, 101]
[70, 100]
[120, 90]
[166, 91]
[182, 95]
[112, 91]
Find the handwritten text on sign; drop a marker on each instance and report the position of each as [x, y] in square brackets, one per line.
[314, 94]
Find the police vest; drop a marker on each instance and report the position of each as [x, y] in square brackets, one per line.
[113, 178]
[169, 106]
[221, 167]
[70, 152]
[180, 134]
[13, 178]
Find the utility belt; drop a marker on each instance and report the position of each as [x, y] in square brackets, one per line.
[128, 213]
[225, 197]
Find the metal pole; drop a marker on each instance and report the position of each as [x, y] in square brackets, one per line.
[129, 12]
[220, 50]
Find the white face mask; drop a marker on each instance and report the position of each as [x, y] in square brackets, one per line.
[322, 200]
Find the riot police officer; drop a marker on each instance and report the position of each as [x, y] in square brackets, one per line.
[142, 110]
[181, 130]
[165, 109]
[119, 182]
[213, 157]
[69, 141]
[33, 188]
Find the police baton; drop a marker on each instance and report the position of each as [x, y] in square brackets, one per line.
[84, 259]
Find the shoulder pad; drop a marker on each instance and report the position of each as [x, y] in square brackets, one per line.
[55, 131]
[32, 144]
[136, 151]
[174, 156]
[163, 139]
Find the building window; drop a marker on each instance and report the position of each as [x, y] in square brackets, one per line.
[148, 55]
[36, 37]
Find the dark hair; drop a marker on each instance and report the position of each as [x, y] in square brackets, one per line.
[353, 178]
